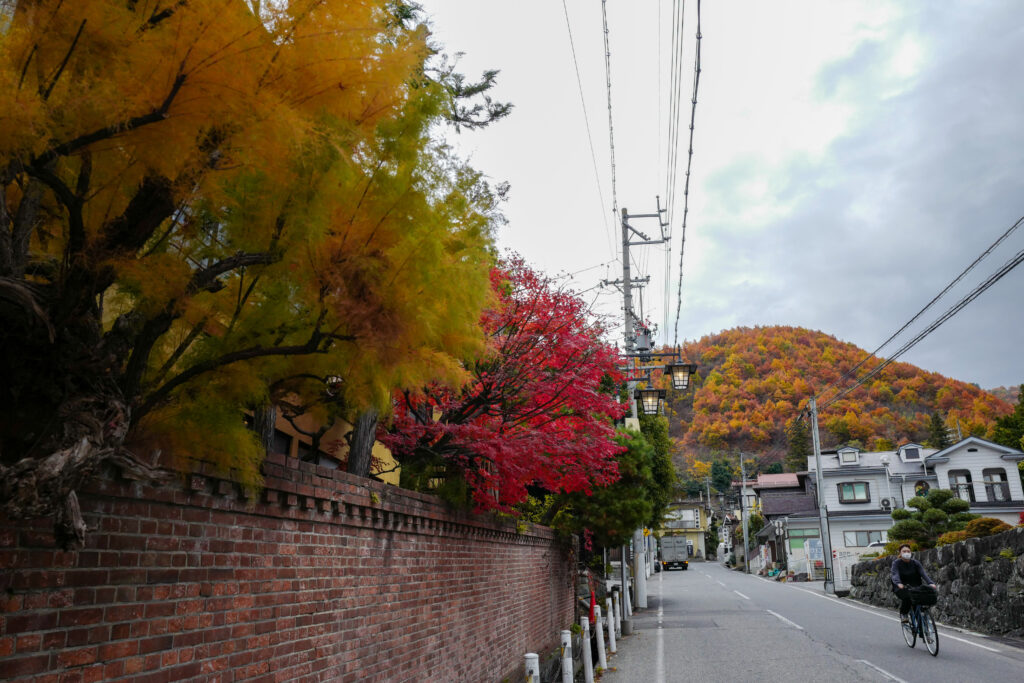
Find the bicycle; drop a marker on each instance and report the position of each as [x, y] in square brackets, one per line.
[921, 622]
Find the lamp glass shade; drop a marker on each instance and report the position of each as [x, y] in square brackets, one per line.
[680, 374]
[649, 400]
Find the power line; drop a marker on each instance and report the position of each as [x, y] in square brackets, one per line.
[675, 97]
[590, 139]
[852, 371]
[686, 188]
[995, 277]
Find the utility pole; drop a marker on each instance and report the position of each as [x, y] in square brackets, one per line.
[826, 541]
[743, 509]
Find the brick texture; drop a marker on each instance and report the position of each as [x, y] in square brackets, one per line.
[323, 577]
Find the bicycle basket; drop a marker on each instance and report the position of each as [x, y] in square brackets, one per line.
[925, 596]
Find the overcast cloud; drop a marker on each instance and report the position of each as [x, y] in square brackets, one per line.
[850, 159]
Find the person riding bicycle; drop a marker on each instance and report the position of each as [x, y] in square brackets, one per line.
[906, 573]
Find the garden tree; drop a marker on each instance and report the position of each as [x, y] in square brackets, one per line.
[938, 437]
[206, 206]
[654, 429]
[1009, 429]
[935, 514]
[774, 468]
[608, 515]
[798, 439]
[532, 413]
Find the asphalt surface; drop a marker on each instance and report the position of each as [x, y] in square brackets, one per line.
[713, 624]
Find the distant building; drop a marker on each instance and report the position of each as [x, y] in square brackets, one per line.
[690, 519]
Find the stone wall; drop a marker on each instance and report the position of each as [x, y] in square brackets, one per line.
[980, 580]
[324, 577]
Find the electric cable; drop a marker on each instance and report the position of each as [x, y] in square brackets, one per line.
[590, 139]
[686, 188]
[852, 371]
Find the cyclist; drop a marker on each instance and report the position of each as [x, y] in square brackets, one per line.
[907, 572]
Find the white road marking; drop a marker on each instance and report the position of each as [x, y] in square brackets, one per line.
[784, 619]
[720, 583]
[741, 595]
[659, 674]
[882, 671]
[945, 634]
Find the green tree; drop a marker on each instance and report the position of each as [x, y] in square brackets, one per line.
[774, 468]
[663, 473]
[721, 475]
[932, 515]
[798, 438]
[938, 437]
[1009, 429]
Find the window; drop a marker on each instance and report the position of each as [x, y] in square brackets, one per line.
[848, 457]
[960, 485]
[861, 539]
[798, 536]
[911, 454]
[854, 492]
[282, 443]
[996, 486]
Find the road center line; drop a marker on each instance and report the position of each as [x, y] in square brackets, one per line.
[720, 583]
[741, 595]
[784, 619]
[882, 671]
[659, 674]
[945, 634]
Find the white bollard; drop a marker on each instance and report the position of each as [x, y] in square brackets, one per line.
[627, 605]
[611, 625]
[588, 664]
[532, 667]
[602, 658]
[618, 613]
[567, 657]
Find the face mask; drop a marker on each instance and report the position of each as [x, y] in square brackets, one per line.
[906, 556]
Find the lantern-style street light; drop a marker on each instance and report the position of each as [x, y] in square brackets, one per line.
[680, 374]
[649, 400]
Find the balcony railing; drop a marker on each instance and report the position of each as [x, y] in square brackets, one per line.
[997, 491]
[682, 524]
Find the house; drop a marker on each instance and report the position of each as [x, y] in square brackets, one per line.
[688, 518]
[788, 499]
[984, 474]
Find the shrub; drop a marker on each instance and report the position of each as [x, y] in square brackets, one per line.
[986, 526]
[899, 514]
[1007, 553]
[893, 547]
[950, 537]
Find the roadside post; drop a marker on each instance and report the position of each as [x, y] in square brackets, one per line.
[588, 664]
[602, 658]
[611, 625]
[567, 657]
[532, 667]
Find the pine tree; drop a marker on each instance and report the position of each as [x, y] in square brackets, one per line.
[798, 436]
[938, 436]
[1009, 429]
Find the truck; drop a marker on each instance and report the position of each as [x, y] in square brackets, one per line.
[674, 552]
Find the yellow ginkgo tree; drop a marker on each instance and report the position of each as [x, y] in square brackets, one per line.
[207, 206]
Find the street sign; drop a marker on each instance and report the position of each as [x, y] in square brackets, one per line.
[814, 551]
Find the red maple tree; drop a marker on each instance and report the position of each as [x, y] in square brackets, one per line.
[538, 410]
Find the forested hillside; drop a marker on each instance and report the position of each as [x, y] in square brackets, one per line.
[752, 382]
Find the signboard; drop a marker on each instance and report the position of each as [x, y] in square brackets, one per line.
[814, 551]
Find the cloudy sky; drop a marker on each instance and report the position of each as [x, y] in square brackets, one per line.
[850, 159]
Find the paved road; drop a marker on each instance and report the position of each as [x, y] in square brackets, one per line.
[713, 624]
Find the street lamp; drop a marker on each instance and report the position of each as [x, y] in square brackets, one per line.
[680, 373]
[649, 400]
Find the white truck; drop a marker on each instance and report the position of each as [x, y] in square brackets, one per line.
[674, 552]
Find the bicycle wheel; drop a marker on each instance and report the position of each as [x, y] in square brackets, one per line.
[910, 631]
[931, 634]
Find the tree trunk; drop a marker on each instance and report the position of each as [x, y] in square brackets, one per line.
[360, 446]
[264, 420]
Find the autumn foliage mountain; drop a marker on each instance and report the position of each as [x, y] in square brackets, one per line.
[751, 382]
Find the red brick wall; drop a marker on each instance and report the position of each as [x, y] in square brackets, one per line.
[326, 577]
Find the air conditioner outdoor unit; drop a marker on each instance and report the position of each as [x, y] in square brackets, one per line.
[886, 504]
